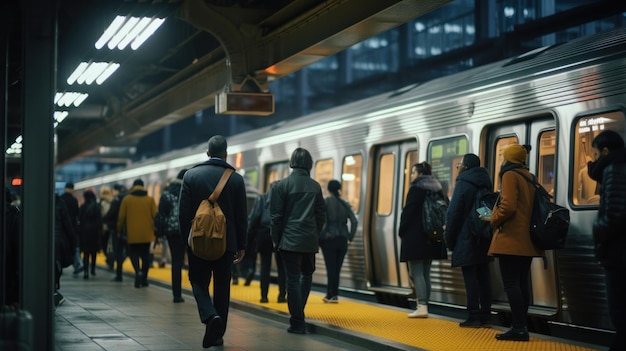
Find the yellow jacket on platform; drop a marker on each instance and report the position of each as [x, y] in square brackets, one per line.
[136, 216]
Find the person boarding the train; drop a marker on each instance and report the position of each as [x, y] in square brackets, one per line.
[608, 168]
[198, 184]
[468, 250]
[416, 248]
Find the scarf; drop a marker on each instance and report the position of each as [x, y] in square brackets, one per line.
[596, 169]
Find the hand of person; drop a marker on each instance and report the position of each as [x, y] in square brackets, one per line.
[239, 256]
[484, 219]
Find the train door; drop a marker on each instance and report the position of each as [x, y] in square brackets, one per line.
[541, 135]
[391, 178]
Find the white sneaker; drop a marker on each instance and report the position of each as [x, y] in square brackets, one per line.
[420, 312]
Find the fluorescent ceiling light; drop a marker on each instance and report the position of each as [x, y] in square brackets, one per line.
[66, 99]
[59, 116]
[87, 73]
[124, 30]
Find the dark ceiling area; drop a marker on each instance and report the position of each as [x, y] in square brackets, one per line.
[202, 48]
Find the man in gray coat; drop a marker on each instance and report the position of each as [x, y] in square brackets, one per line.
[298, 214]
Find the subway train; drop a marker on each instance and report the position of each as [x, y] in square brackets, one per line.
[556, 98]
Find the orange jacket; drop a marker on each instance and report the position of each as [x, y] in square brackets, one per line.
[136, 215]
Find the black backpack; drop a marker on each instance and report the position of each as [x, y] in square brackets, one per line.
[484, 198]
[434, 215]
[549, 222]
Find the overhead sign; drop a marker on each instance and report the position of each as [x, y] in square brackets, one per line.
[242, 103]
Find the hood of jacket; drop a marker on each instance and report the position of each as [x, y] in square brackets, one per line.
[478, 176]
[138, 190]
[427, 182]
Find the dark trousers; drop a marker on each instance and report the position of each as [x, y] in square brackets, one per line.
[478, 290]
[334, 251]
[299, 268]
[615, 294]
[141, 252]
[515, 271]
[266, 266]
[89, 262]
[177, 251]
[200, 274]
[120, 251]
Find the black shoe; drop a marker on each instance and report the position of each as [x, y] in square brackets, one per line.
[178, 299]
[144, 282]
[264, 300]
[282, 299]
[514, 334]
[86, 276]
[93, 271]
[249, 278]
[219, 342]
[470, 323]
[58, 299]
[235, 281]
[296, 330]
[116, 279]
[214, 330]
[78, 270]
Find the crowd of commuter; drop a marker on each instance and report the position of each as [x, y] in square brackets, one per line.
[292, 221]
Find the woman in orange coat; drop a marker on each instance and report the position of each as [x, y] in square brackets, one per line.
[511, 239]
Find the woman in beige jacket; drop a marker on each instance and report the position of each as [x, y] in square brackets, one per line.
[511, 240]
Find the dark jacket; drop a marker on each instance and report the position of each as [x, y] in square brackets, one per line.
[169, 210]
[72, 207]
[111, 217]
[608, 227]
[298, 213]
[90, 227]
[198, 184]
[259, 225]
[467, 248]
[415, 243]
[338, 212]
[64, 236]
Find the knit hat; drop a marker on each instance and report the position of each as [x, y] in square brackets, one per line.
[471, 161]
[515, 153]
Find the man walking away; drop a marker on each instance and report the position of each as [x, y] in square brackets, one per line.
[198, 184]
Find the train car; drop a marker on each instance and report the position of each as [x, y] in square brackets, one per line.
[555, 98]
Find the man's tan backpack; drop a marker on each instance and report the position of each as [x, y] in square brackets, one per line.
[207, 237]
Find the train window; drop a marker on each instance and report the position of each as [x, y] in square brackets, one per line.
[443, 156]
[251, 177]
[500, 145]
[385, 184]
[323, 173]
[275, 172]
[584, 189]
[545, 168]
[409, 160]
[351, 180]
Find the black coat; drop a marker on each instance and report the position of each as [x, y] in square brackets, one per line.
[415, 243]
[298, 213]
[467, 249]
[64, 236]
[608, 228]
[259, 226]
[198, 184]
[90, 226]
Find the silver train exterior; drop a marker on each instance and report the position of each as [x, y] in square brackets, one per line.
[555, 98]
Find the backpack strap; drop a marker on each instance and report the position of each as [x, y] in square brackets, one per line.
[220, 185]
[534, 183]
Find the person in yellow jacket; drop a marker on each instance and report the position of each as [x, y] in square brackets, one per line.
[136, 219]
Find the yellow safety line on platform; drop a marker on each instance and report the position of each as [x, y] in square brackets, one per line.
[433, 333]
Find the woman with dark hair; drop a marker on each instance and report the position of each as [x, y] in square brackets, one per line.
[416, 249]
[298, 214]
[608, 168]
[335, 238]
[90, 231]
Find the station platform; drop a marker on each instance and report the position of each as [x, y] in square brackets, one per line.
[99, 314]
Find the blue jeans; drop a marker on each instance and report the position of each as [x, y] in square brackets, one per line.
[200, 274]
[299, 268]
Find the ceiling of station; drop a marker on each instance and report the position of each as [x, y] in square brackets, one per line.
[180, 69]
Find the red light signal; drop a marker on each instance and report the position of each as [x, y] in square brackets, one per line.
[16, 181]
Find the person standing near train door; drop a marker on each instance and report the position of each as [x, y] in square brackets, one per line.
[416, 248]
[608, 168]
[511, 238]
[468, 250]
[335, 238]
[298, 215]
